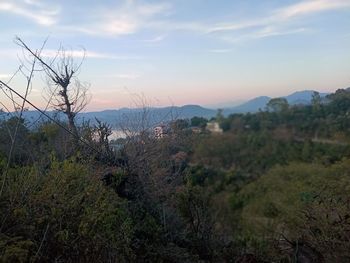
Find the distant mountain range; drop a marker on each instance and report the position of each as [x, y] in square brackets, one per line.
[259, 103]
[135, 118]
[126, 117]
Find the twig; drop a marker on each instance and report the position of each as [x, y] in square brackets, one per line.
[42, 242]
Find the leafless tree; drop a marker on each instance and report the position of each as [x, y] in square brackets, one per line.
[66, 93]
[103, 131]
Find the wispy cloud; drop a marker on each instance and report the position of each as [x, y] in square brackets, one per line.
[74, 53]
[278, 22]
[126, 19]
[282, 15]
[163, 25]
[263, 33]
[51, 53]
[271, 31]
[282, 21]
[155, 39]
[32, 10]
[310, 7]
[37, 3]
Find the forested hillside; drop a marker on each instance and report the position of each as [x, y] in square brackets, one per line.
[273, 187]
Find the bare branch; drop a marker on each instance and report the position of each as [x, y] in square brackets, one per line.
[66, 93]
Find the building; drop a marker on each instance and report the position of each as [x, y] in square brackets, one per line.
[214, 127]
[160, 131]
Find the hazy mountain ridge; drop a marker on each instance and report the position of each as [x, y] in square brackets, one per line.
[154, 115]
[127, 116]
[259, 103]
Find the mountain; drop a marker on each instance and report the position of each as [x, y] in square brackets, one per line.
[126, 117]
[150, 116]
[133, 118]
[250, 106]
[34, 116]
[223, 105]
[300, 97]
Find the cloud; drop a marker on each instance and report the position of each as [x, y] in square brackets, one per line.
[122, 18]
[271, 31]
[37, 3]
[17, 53]
[32, 10]
[265, 32]
[155, 39]
[51, 53]
[126, 19]
[310, 7]
[163, 25]
[131, 16]
[282, 15]
[279, 22]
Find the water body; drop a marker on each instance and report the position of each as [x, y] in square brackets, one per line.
[121, 134]
[117, 134]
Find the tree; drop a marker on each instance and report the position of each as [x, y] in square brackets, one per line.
[316, 101]
[220, 115]
[199, 122]
[103, 131]
[278, 105]
[66, 93]
[339, 102]
[179, 124]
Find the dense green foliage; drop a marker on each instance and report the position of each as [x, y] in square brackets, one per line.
[273, 187]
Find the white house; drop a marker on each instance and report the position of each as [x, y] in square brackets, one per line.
[214, 127]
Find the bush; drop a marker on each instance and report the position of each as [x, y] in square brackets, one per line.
[64, 215]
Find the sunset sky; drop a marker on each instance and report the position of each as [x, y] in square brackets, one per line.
[184, 51]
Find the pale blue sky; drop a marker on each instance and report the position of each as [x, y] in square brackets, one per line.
[185, 51]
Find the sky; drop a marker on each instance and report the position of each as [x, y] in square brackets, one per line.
[177, 52]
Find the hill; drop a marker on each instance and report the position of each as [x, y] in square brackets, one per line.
[129, 117]
[250, 106]
[300, 97]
